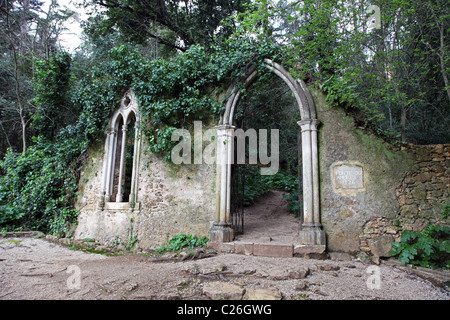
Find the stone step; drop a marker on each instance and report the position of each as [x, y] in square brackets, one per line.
[275, 250]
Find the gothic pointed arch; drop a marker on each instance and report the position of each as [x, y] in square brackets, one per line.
[310, 233]
[121, 160]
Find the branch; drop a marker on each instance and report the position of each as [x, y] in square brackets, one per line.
[157, 13]
[109, 4]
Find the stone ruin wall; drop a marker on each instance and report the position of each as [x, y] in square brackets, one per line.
[173, 200]
[370, 192]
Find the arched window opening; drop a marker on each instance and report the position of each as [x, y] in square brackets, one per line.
[121, 161]
[129, 157]
[116, 160]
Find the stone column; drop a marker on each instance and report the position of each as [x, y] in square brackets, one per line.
[310, 232]
[308, 197]
[315, 172]
[221, 230]
[134, 173]
[109, 159]
[123, 159]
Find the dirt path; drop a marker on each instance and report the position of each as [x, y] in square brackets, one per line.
[270, 220]
[33, 268]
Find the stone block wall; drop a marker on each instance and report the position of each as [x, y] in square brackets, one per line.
[426, 187]
[421, 195]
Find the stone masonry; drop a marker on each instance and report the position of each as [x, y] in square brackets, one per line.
[421, 195]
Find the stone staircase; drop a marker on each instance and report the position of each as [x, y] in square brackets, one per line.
[269, 249]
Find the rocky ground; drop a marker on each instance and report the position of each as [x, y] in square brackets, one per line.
[32, 268]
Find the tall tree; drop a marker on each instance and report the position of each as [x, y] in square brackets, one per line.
[27, 34]
[395, 71]
[175, 23]
[15, 20]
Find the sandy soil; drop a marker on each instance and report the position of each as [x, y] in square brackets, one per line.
[33, 268]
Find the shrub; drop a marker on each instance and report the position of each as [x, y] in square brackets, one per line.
[180, 241]
[37, 190]
[429, 248]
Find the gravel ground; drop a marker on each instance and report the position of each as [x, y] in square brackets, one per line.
[33, 268]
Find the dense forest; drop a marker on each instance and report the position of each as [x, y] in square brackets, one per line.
[386, 62]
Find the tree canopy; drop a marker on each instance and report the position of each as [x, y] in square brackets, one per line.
[175, 23]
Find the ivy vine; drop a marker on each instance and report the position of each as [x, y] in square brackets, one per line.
[38, 187]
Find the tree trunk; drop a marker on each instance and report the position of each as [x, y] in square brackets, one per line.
[441, 52]
[19, 102]
[20, 110]
[403, 123]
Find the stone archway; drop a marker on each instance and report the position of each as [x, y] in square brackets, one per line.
[310, 232]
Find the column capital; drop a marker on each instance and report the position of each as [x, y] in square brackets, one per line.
[225, 130]
[225, 127]
[111, 130]
[308, 124]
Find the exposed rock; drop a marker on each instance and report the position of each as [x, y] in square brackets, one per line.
[328, 267]
[262, 294]
[101, 249]
[317, 291]
[300, 273]
[301, 286]
[283, 274]
[381, 245]
[51, 237]
[223, 290]
[278, 274]
[131, 286]
[213, 268]
[340, 256]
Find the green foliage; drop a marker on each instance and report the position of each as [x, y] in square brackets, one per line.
[402, 89]
[446, 211]
[180, 241]
[52, 84]
[174, 93]
[37, 190]
[429, 248]
[39, 186]
[168, 22]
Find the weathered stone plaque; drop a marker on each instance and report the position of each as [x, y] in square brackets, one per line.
[347, 177]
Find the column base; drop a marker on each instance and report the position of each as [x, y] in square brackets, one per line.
[312, 235]
[221, 232]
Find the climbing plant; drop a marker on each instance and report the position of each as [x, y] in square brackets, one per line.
[39, 186]
[173, 93]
